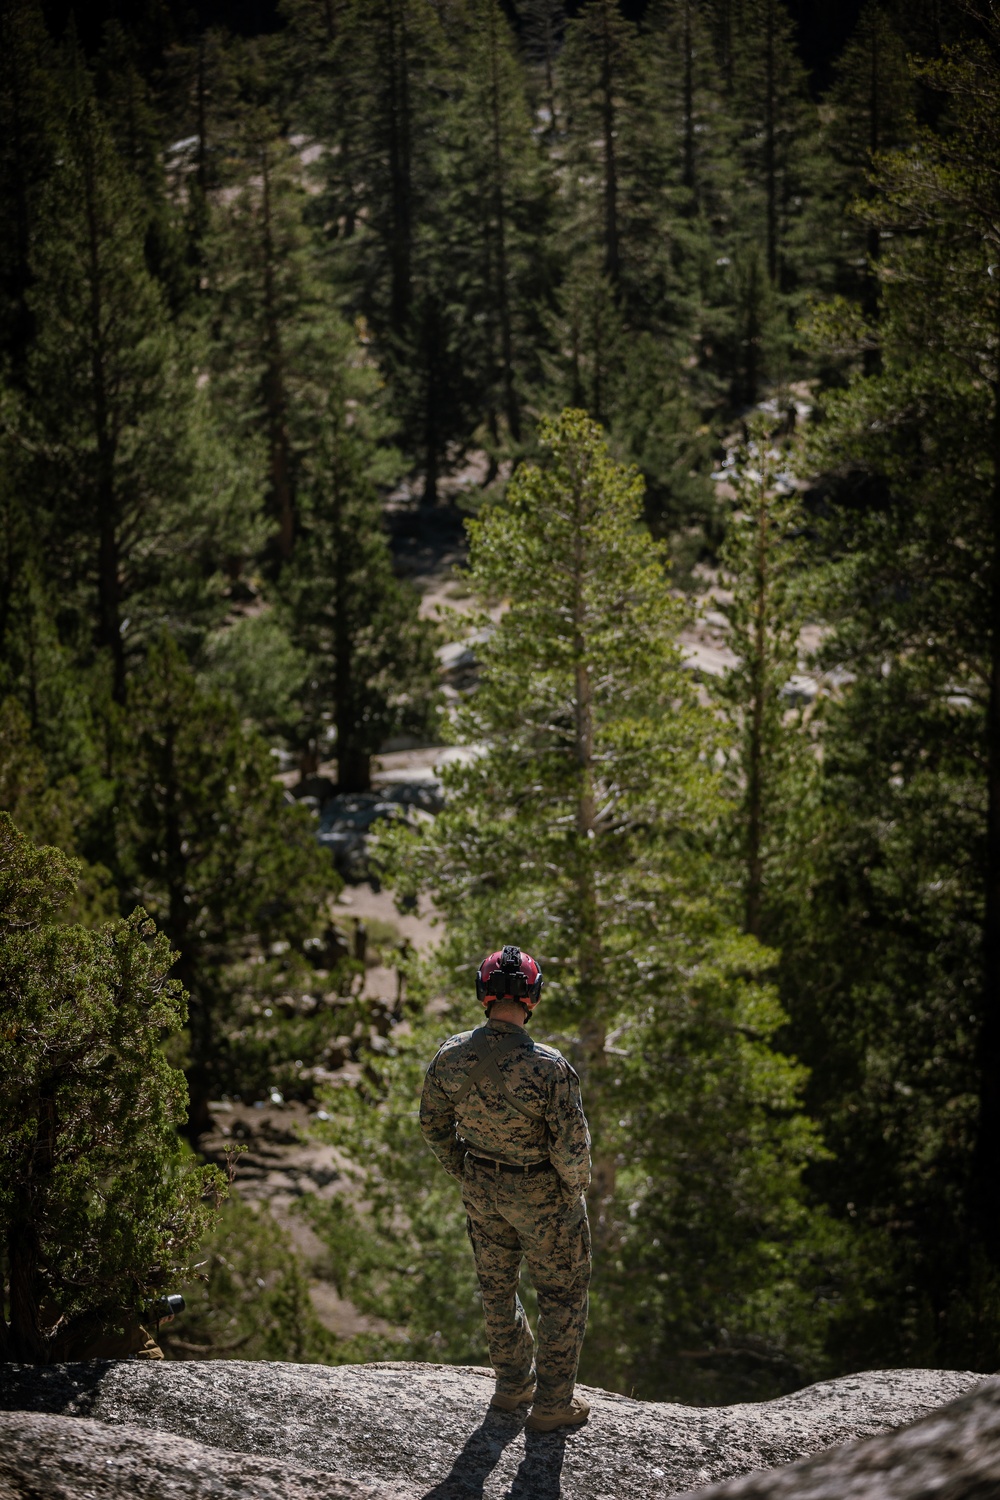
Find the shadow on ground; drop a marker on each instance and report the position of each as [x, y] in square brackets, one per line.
[539, 1473]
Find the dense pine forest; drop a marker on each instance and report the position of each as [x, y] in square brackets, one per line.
[680, 323]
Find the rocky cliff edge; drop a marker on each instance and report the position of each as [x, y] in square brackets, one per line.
[188, 1430]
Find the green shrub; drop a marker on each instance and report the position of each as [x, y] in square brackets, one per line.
[97, 1207]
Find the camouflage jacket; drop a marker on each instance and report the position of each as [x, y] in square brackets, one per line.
[484, 1122]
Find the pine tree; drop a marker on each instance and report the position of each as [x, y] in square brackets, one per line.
[332, 95]
[497, 200]
[370, 668]
[588, 341]
[576, 831]
[269, 310]
[780, 215]
[97, 1211]
[601, 77]
[135, 127]
[119, 449]
[904, 960]
[391, 63]
[542, 27]
[199, 100]
[762, 559]
[629, 382]
[562, 808]
[29, 136]
[689, 91]
[872, 108]
[777, 127]
[207, 845]
[50, 811]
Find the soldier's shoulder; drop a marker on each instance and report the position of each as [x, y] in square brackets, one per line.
[551, 1057]
[453, 1044]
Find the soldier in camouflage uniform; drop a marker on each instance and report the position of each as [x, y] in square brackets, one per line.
[503, 1115]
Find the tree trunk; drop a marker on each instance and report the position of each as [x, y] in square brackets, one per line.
[400, 178]
[109, 591]
[26, 1336]
[755, 730]
[106, 499]
[511, 408]
[688, 45]
[752, 335]
[431, 337]
[985, 1192]
[21, 329]
[201, 90]
[770, 164]
[872, 359]
[36, 1168]
[275, 398]
[353, 754]
[593, 1025]
[354, 767]
[612, 257]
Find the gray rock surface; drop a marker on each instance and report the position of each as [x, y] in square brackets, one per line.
[953, 1454]
[45, 1457]
[425, 1431]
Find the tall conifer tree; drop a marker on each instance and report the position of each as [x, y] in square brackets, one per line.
[872, 110]
[601, 74]
[575, 831]
[370, 671]
[906, 961]
[497, 195]
[29, 137]
[206, 844]
[773, 766]
[138, 506]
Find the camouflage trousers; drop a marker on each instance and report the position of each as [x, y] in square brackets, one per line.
[514, 1217]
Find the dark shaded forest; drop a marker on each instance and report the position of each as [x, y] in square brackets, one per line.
[680, 322]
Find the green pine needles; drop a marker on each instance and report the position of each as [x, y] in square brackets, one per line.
[581, 828]
[98, 1208]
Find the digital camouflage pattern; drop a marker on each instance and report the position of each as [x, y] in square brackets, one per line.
[485, 1124]
[539, 1216]
[533, 1217]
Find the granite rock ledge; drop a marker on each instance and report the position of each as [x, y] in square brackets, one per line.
[194, 1429]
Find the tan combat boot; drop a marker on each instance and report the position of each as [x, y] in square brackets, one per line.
[511, 1400]
[548, 1418]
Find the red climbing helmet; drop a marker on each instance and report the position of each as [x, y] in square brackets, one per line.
[509, 974]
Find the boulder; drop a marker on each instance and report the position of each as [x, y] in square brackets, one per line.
[344, 826]
[952, 1454]
[425, 1432]
[317, 788]
[427, 794]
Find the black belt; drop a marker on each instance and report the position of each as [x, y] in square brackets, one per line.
[509, 1166]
